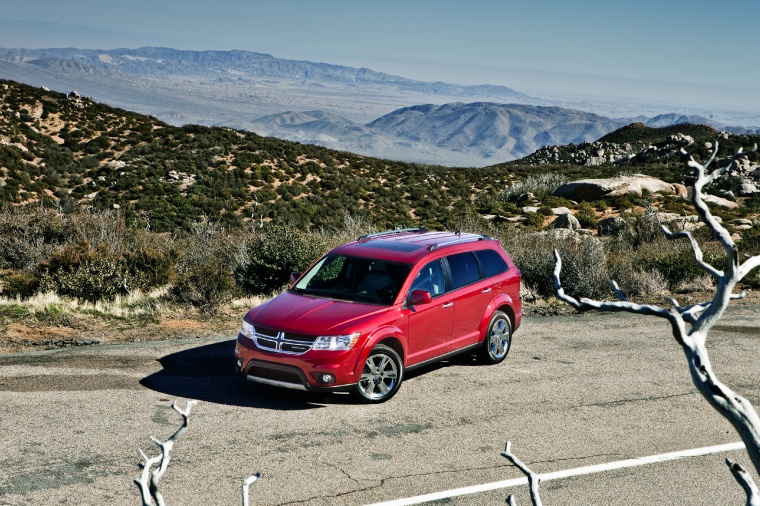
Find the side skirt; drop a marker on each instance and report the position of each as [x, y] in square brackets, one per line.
[445, 356]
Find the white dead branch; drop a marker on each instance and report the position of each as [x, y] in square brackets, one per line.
[690, 325]
[148, 480]
[745, 480]
[246, 485]
[532, 477]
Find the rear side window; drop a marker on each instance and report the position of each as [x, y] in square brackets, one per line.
[464, 269]
[491, 262]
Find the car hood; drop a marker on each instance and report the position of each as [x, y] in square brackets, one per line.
[304, 314]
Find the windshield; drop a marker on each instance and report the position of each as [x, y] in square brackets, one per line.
[355, 279]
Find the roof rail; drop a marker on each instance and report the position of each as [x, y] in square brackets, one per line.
[391, 232]
[460, 240]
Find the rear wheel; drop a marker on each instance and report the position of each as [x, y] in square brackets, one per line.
[381, 375]
[498, 339]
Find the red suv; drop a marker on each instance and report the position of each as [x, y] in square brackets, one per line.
[372, 309]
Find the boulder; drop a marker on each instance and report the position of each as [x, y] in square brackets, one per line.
[681, 190]
[613, 225]
[728, 204]
[748, 188]
[566, 220]
[595, 189]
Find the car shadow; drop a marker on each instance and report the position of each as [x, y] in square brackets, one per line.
[207, 373]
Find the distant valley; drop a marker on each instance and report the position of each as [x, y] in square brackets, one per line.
[345, 108]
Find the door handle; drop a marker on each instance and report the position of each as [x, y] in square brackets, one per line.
[448, 304]
[486, 290]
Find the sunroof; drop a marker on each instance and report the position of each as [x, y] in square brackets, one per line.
[403, 247]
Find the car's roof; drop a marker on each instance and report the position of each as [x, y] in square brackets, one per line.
[405, 245]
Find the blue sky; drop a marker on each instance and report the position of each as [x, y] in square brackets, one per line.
[689, 53]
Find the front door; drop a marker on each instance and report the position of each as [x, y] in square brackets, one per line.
[430, 324]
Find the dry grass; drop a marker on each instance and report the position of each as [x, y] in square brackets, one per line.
[49, 321]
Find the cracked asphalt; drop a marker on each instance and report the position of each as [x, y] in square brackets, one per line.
[574, 391]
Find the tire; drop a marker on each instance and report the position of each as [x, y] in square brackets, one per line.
[381, 376]
[498, 339]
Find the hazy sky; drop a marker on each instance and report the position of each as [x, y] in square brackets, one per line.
[676, 52]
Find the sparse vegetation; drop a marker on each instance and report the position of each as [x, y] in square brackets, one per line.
[100, 207]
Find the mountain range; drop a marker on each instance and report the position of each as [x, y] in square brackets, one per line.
[350, 109]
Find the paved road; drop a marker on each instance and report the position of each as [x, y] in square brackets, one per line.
[574, 391]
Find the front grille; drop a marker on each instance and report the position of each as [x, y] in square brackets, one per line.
[283, 342]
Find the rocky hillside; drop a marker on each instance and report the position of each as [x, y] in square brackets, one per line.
[71, 152]
[638, 144]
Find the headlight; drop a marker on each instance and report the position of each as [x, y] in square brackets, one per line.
[247, 330]
[344, 342]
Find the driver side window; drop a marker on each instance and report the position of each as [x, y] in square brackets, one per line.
[430, 278]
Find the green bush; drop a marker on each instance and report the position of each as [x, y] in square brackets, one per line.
[534, 220]
[587, 216]
[20, 284]
[274, 253]
[82, 272]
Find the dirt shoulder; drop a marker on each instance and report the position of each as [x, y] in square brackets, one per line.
[66, 331]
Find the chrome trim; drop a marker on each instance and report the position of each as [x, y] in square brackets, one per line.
[460, 240]
[279, 340]
[275, 383]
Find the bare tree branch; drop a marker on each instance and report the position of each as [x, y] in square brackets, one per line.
[701, 317]
[745, 480]
[149, 489]
[532, 477]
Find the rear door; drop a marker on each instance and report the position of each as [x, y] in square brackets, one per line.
[471, 295]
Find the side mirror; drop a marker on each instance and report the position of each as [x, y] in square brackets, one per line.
[420, 297]
[294, 277]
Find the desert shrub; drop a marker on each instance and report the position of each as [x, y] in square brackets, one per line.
[206, 259]
[20, 284]
[353, 227]
[149, 267]
[28, 235]
[584, 263]
[273, 253]
[85, 273]
[633, 281]
[675, 259]
[586, 216]
[534, 220]
[640, 228]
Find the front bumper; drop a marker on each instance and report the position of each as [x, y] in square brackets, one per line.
[304, 372]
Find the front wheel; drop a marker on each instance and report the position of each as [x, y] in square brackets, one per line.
[498, 338]
[381, 375]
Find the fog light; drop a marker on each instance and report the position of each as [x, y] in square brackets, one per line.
[327, 379]
[240, 364]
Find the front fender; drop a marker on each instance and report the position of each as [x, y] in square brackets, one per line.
[376, 336]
